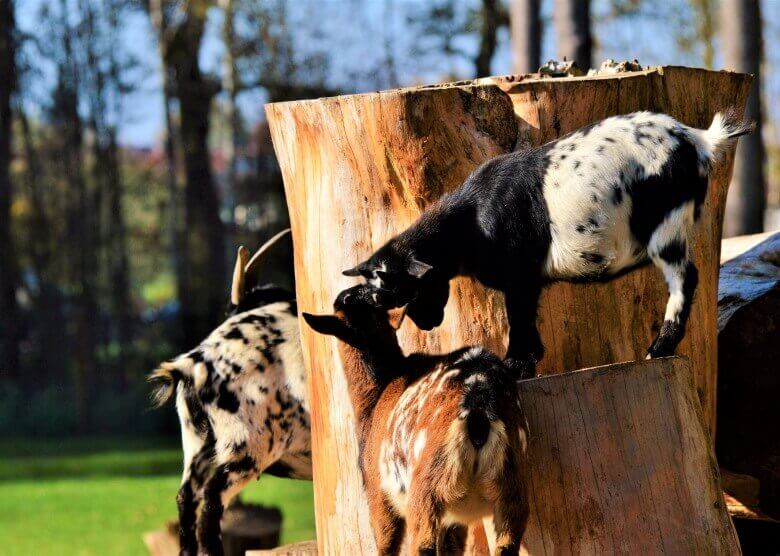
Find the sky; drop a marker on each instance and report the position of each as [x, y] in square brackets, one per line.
[357, 39]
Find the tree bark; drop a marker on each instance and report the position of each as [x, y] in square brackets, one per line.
[40, 253]
[230, 87]
[9, 320]
[488, 31]
[571, 19]
[119, 266]
[80, 224]
[742, 44]
[176, 242]
[204, 266]
[361, 168]
[526, 27]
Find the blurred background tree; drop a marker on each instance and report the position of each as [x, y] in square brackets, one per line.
[134, 155]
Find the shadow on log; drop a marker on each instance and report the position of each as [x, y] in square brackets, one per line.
[359, 169]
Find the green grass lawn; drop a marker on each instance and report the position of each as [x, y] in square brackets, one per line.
[98, 496]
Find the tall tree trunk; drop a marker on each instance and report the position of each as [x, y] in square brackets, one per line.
[704, 13]
[119, 268]
[81, 216]
[230, 87]
[176, 241]
[203, 295]
[488, 31]
[572, 31]
[741, 35]
[40, 253]
[526, 35]
[9, 321]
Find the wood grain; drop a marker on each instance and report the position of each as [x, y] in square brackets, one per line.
[359, 169]
[621, 462]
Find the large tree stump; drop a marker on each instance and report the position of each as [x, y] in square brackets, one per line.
[359, 169]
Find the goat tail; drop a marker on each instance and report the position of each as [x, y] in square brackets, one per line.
[164, 380]
[725, 126]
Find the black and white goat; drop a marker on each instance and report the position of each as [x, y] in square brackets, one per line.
[242, 404]
[588, 206]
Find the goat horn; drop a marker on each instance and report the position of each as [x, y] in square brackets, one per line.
[253, 264]
[239, 273]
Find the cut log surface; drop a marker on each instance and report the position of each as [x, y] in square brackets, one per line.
[359, 169]
[736, 246]
[620, 462]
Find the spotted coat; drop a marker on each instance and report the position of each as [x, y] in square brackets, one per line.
[243, 410]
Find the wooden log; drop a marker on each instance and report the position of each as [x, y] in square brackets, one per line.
[304, 548]
[244, 527]
[163, 542]
[359, 169]
[749, 351]
[621, 462]
[250, 526]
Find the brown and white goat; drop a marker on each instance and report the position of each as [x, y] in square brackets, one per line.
[442, 437]
[241, 400]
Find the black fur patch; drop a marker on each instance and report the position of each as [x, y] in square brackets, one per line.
[279, 469]
[655, 196]
[235, 334]
[227, 400]
[617, 195]
[595, 258]
[185, 500]
[673, 252]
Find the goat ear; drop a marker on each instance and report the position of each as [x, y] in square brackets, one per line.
[329, 325]
[396, 317]
[357, 270]
[418, 269]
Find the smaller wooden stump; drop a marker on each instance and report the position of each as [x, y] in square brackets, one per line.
[620, 462]
[304, 548]
[244, 527]
[250, 526]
